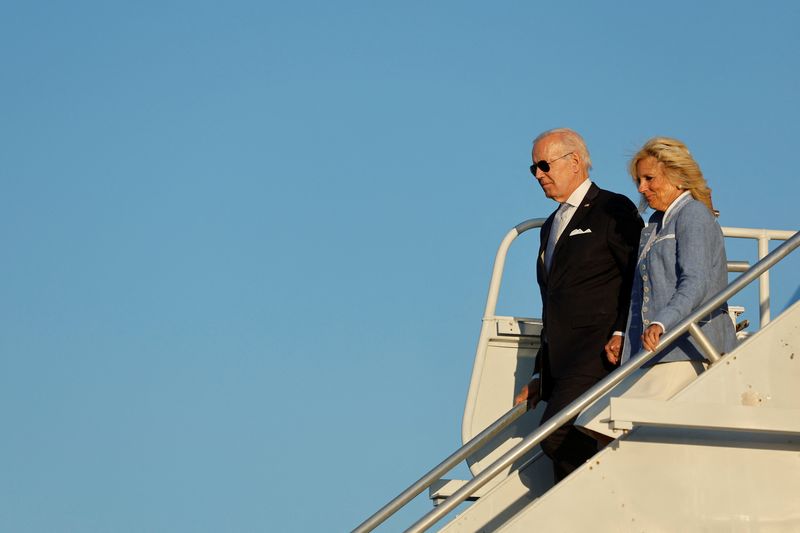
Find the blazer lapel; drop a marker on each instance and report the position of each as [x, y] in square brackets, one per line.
[575, 222]
[545, 235]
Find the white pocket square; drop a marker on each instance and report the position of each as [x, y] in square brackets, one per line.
[580, 232]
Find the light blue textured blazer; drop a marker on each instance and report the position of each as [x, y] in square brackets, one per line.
[681, 264]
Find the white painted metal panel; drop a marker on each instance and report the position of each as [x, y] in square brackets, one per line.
[504, 364]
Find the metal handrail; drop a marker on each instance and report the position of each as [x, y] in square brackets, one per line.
[500, 261]
[442, 468]
[608, 383]
[763, 236]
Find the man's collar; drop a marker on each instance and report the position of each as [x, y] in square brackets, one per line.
[577, 195]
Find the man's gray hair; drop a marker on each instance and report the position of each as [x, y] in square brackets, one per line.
[570, 141]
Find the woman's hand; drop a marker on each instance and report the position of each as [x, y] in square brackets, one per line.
[651, 336]
[614, 349]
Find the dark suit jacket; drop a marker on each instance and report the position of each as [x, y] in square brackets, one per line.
[585, 295]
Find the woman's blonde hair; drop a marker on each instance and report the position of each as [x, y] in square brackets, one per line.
[680, 167]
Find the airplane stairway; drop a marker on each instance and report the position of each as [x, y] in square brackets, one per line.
[721, 455]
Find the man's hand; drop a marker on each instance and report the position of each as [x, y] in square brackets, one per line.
[651, 336]
[614, 349]
[529, 393]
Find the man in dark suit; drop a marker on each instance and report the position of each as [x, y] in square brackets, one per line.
[587, 256]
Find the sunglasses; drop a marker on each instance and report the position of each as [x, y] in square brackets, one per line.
[544, 166]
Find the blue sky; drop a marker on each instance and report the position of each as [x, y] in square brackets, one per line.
[246, 245]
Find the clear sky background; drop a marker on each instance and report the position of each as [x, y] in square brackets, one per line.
[246, 245]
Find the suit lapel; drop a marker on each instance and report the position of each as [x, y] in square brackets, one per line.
[580, 213]
[544, 236]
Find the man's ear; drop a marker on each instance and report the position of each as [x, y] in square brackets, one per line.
[577, 165]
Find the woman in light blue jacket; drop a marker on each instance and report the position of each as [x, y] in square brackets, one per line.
[681, 264]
